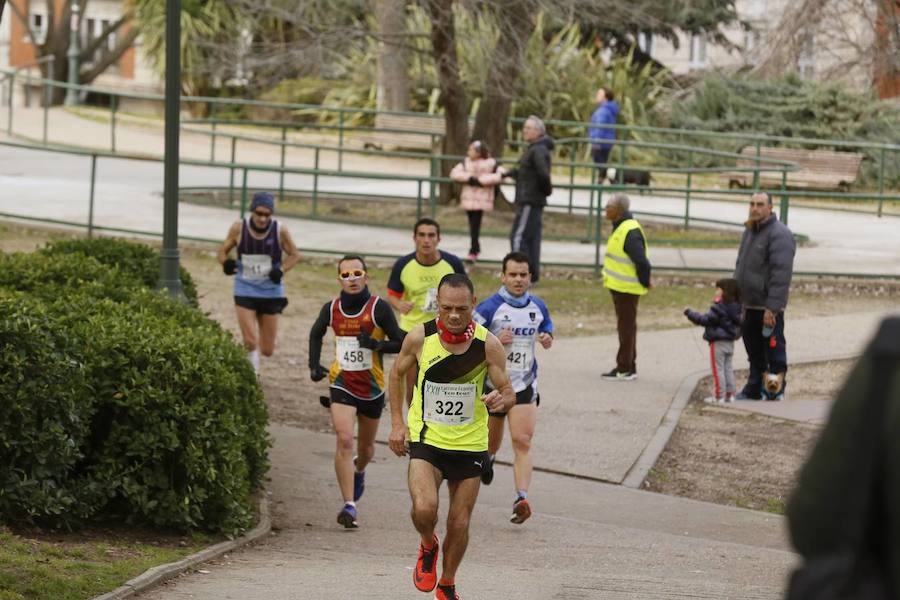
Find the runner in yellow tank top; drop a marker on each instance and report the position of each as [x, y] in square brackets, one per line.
[446, 429]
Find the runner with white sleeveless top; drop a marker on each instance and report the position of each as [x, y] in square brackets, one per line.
[520, 321]
[364, 328]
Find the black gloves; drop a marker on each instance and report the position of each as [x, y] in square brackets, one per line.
[276, 274]
[318, 373]
[229, 266]
[474, 181]
[367, 342]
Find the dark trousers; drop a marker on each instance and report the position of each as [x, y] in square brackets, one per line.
[762, 356]
[626, 306]
[525, 236]
[474, 230]
[601, 156]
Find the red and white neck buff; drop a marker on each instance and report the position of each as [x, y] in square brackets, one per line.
[456, 338]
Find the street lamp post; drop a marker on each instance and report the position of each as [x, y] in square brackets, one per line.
[169, 276]
[73, 52]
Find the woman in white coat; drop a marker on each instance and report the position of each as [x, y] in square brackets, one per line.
[479, 178]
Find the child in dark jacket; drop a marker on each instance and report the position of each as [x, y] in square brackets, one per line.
[723, 326]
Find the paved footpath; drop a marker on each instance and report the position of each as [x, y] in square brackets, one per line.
[588, 540]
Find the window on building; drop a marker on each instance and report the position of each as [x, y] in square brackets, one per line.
[698, 52]
[91, 30]
[754, 9]
[751, 45]
[645, 42]
[38, 25]
[806, 59]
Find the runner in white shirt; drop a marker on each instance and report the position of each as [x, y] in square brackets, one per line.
[519, 320]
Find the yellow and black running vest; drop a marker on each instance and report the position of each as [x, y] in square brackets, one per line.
[446, 410]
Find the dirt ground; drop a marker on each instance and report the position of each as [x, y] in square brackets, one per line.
[717, 455]
[732, 456]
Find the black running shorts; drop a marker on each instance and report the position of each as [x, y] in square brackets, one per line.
[367, 408]
[526, 396]
[265, 306]
[454, 465]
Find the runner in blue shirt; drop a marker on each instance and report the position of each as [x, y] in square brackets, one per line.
[519, 320]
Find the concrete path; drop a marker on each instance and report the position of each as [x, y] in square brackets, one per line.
[129, 193]
[588, 540]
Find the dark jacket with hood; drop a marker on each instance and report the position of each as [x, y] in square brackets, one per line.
[765, 264]
[605, 114]
[532, 174]
[722, 322]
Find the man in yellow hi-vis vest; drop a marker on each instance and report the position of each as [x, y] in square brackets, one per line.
[626, 273]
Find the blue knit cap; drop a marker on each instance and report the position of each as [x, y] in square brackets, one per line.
[264, 199]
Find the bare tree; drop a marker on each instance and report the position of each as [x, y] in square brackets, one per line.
[291, 38]
[393, 76]
[516, 24]
[887, 48]
[56, 43]
[853, 40]
[453, 94]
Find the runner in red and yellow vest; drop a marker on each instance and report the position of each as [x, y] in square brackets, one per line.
[361, 324]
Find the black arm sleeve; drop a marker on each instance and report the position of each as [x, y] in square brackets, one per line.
[541, 162]
[387, 321]
[316, 333]
[636, 249]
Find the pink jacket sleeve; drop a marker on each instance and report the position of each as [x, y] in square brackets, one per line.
[490, 179]
[459, 173]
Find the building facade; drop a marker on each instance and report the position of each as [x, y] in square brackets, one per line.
[845, 40]
[130, 72]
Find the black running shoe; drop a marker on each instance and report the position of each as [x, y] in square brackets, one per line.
[487, 474]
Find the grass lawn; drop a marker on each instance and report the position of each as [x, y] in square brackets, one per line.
[556, 225]
[80, 566]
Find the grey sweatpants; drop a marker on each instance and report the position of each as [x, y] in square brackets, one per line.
[720, 355]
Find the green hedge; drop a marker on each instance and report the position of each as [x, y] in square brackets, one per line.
[139, 260]
[123, 404]
[44, 415]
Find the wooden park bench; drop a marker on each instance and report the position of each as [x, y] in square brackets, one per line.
[405, 132]
[818, 169]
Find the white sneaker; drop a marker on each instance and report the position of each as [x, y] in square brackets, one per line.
[712, 400]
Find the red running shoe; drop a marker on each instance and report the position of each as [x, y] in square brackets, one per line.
[425, 573]
[521, 511]
[446, 592]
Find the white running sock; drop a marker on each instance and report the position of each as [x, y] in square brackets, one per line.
[253, 357]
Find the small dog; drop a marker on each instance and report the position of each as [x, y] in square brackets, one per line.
[773, 386]
[626, 176]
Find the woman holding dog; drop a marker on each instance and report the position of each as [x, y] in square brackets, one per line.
[479, 177]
